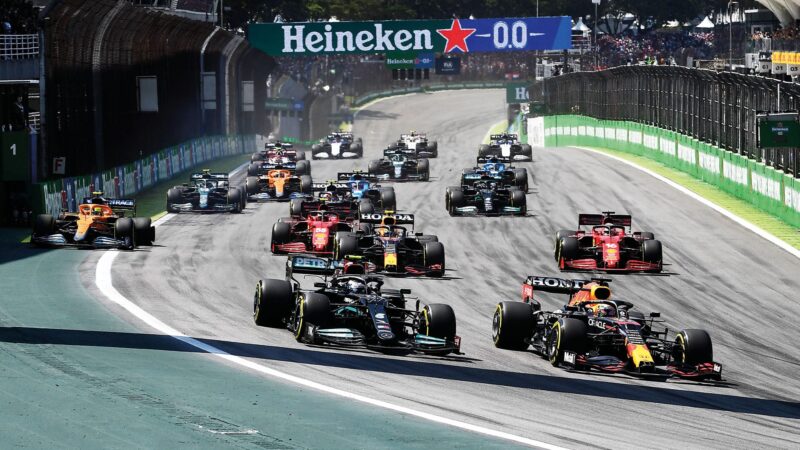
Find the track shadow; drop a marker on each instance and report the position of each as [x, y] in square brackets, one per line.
[594, 387]
[378, 115]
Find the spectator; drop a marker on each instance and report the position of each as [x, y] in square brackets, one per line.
[20, 115]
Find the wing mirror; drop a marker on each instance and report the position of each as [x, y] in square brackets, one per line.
[655, 314]
[405, 291]
[320, 284]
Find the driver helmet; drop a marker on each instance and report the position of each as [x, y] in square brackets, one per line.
[604, 310]
[97, 211]
[356, 287]
[209, 184]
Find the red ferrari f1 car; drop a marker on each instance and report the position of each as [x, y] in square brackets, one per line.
[610, 245]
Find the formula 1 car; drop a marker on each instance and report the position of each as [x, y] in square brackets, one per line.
[351, 309]
[278, 185]
[485, 197]
[294, 167]
[312, 233]
[206, 192]
[498, 169]
[390, 248]
[416, 144]
[610, 246]
[338, 146]
[99, 222]
[506, 145]
[594, 332]
[278, 152]
[355, 193]
[399, 166]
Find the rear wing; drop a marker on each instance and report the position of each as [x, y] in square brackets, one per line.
[554, 285]
[346, 176]
[399, 219]
[399, 151]
[320, 187]
[305, 264]
[605, 218]
[493, 159]
[342, 209]
[503, 136]
[116, 204]
[214, 176]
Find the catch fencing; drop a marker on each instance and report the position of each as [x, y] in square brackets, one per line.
[717, 108]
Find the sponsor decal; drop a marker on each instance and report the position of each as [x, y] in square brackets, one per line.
[650, 141]
[709, 163]
[765, 186]
[686, 154]
[635, 137]
[556, 283]
[791, 198]
[737, 174]
[666, 146]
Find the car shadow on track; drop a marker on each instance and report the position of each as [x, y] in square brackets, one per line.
[413, 367]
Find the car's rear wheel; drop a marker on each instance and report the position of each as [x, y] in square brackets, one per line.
[527, 150]
[365, 206]
[374, 167]
[512, 325]
[521, 179]
[303, 168]
[566, 335]
[144, 232]
[483, 150]
[300, 155]
[306, 184]
[272, 303]
[423, 170]
[252, 170]
[314, 310]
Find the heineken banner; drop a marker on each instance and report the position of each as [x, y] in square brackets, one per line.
[442, 36]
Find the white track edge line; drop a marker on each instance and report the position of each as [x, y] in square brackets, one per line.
[744, 223]
[103, 281]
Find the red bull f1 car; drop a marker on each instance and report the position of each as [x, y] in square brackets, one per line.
[608, 246]
[352, 309]
[388, 247]
[595, 332]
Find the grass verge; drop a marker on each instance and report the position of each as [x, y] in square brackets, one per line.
[741, 208]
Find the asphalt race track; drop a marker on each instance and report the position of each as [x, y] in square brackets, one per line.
[719, 276]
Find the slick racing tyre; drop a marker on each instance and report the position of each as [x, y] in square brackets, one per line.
[434, 147]
[313, 310]
[144, 232]
[433, 254]
[518, 200]
[124, 231]
[251, 185]
[512, 325]
[365, 206]
[44, 225]
[296, 207]
[423, 170]
[388, 199]
[374, 167]
[235, 199]
[252, 170]
[344, 244]
[521, 179]
[652, 253]
[561, 234]
[454, 199]
[272, 303]
[438, 320]
[303, 168]
[483, 150]
[527, 150]
[306, 184]
[173, 198]
[693, 347]
[568, 249]
[566, 335]
[281, 234]
[300, 155]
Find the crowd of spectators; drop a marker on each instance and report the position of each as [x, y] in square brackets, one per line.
[656, 47]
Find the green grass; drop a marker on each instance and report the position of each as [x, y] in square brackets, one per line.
[151, 202]
[741, 208]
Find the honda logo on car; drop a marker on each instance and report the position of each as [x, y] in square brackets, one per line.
[375, 216]
[556, 283]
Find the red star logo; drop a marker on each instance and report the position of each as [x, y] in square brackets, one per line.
[456, 37]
